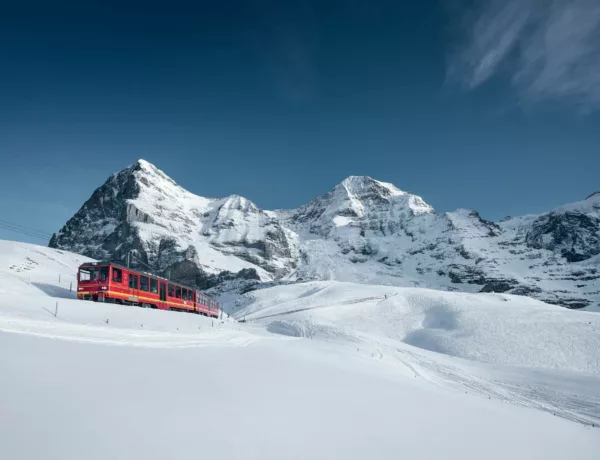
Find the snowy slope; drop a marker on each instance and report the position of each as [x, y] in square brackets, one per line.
[338, 381]
[260, 401]
[497, 346]
[364, 231]
[492, 328]
[31, 269]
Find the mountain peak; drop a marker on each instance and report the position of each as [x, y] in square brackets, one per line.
[596, 194]
[145, 172]
[358, 179]
[366, 189]
[357, 185]
[144, 165]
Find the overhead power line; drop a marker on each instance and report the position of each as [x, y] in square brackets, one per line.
[23, 230]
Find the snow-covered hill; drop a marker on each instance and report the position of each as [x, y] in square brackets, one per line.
[363, 231]
[492, 328]
[319, 370]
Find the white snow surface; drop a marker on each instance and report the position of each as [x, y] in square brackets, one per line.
[492, 328]
[320, 370]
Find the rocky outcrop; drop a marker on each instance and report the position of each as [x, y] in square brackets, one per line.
[573, 235]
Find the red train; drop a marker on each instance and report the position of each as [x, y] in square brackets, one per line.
[108, 282]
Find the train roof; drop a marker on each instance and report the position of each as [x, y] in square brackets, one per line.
[106, 262]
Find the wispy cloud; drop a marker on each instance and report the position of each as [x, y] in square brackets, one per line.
[549, 49]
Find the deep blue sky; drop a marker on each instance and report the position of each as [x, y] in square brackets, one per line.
[274, 100]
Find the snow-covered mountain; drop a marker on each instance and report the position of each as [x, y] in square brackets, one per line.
[140, 210]
[363, 231]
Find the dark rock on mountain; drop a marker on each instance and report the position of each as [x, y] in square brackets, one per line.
[572, 234]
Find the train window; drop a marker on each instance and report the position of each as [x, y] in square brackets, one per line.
[133, 281]
[171, 290]
[153, 286]
[184, 293]
[144, 283]
[178, 292]
[117, 275]
[88, 274]
[103, 273]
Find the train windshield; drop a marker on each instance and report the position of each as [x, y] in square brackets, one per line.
[93, 274]
[88, 273]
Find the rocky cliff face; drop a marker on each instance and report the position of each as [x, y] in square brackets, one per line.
[363, 230]
[142, 212]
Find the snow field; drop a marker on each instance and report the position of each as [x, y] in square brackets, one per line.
[340, 372]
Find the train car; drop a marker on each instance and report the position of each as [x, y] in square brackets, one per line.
[206, 305]
[109, 282]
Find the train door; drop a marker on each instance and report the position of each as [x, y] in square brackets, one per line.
[134, 286]
[163, 295]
